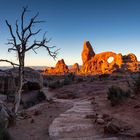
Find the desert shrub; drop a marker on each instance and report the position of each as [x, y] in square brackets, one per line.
[104, 76]
[54, 84]
[41, 96]
[4, 134]
[116, 95]
[136, 84]
[93, 79]
[66, 81]
[71, 76]
[31, 101]
[31, 86]
[79, 79]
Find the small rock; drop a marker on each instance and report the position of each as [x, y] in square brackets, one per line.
[99, 116]
[90, 116]
[111, 128]
[36, 113]
[31, 120]
[137, 106]
[138, 134]
[107, 117]
[100, 121]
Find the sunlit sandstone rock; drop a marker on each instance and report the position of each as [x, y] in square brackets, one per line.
[60, 68]
[100, 64]
[87, 52]
[75, 68]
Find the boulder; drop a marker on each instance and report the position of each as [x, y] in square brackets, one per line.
[30, 75]
[111, 128]
[9, 79]
[87, 52]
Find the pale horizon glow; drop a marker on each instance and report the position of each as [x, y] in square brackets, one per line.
[108, 25]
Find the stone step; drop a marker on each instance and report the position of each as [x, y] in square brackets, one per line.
[74, 134]
[90, 138]
[82, 111]
[72, 120]
[73, 124]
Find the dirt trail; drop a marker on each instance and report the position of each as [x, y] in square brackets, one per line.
[74, 124]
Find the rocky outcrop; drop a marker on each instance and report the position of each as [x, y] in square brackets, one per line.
[60, 68]
[9, 79]
[87, 52]
[100, 63]
[130, 62]
[75, 68]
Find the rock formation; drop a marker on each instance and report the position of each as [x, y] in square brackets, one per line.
[130, 62]
[99, 64]
[9, 79]
[60, 68]
[75, 68]
[87, 52]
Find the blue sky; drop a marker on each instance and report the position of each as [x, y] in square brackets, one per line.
[110, 25]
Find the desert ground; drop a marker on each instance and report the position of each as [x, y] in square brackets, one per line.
[80, 110]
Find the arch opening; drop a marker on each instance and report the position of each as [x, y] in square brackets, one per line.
[110, 59]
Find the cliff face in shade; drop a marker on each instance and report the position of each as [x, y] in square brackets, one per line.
[9, 79]
[87, 52]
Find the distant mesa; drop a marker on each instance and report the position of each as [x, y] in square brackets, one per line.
[101, 63]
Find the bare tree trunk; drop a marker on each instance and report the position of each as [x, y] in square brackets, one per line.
[19, 91]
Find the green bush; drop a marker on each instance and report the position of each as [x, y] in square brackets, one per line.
[54, 84]
[136, 85]
[4, 134]
[71, 76]
[66, 81]
[79, 79]
[104, 77]
[41, 96]
[116, 95]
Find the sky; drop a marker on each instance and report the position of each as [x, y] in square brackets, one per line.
[109, 25]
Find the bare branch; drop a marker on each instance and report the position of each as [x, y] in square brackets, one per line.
[17, 31]
[13, 64]
[11, 32]
[12, 49]
[22, 17]
[31, 34]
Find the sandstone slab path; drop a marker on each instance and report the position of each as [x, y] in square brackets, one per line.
[74, 123]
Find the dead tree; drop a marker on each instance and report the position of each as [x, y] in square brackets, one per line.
[20, 38]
